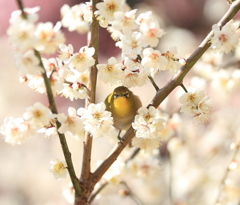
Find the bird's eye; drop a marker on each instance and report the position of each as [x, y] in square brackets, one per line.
[115, 95]
[127, 94]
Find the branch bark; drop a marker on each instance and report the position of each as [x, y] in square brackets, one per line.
[85, 179]
[166, 90]
[53, 108]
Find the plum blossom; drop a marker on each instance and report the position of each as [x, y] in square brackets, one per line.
[226, 38]
[196, 104]
[97, 121]
[58, 169]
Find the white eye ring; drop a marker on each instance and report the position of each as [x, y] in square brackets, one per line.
[127, 94]
[115, 95]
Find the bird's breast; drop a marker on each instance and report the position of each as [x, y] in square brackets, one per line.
[122, 106]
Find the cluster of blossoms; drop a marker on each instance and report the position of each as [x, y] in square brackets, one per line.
[38, 118]
[196, 104]
[68, 73]
[225, 39]
[135, 35]
[93, 119]
[26, 35]
[148, 125]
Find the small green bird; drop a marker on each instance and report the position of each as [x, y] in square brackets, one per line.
[123, 105]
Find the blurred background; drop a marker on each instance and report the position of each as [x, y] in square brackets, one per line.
[24, 175]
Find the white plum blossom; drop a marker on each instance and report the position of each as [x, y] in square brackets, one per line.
[107, 8]
[146, 166]
[144, 18]
[114, 174]
[226, 80]
[153, 60]
[16, 130]
[172, 63]
[75, 86]
[66, 53]
[131, 44]
[21, 35]
[115, 34]
[125, 22]
[73, 18]
[31, 14]
[71, 123]
[58, 168]
[36, 83]
[87, 11]
[83, 59]
[49, 130]
[147, 145]
[55, 73]
[110, 73]
[150, 29]
[196, 104]
[148, 124]
[202, 114]
[134, 73]
[151, 33]
[226, 38]
[28, 63]
[48, 37]
[38, 114]
[97, 121]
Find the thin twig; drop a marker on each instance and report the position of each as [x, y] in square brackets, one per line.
[131, 194]
[226, 174]
[62, 138]
[166, 90]
[134, 154]
[21, 7]
[153, 83]
[97, 192]
[170, 179]
[184, 88]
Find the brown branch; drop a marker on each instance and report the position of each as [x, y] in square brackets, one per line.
[87, 144]
[62, 138]
[53, 107]
[166, 90]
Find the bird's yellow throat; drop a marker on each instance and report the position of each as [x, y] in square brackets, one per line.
[122, 106]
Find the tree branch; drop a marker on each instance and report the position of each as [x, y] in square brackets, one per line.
[166, 90]
[87, 144]
[53, 108]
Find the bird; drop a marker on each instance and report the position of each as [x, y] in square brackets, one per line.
[123, 105]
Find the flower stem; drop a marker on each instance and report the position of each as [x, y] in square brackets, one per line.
[131, 194]
[153, 83]
[184, 88]
[20, 5]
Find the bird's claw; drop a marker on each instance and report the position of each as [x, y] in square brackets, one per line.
[120, 140]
